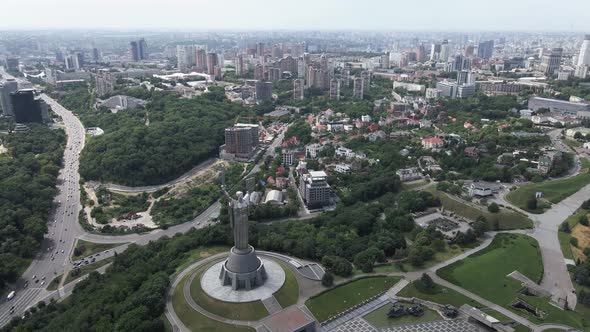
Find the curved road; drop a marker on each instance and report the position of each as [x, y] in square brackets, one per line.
[53, 259]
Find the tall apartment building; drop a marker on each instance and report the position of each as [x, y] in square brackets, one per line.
[583, 58]
[345, 77]
[550, 63]
[240, 141]
[259, 72]
[289, 64]
[260, 49]
[334, 89]
[239, 64]
[263, 91]
[212, 62]
[485, 49]
[105, 83]
[317, 78]
[186, 57]
[445, 51]
[314, 189]
[201, 60]
[11, 64]
[74, 61]
[358, 88]
[6, 88]
[26, 107]
[139, 50]
[366, 75]
[274, 74]
[298, 89]
[385, 61]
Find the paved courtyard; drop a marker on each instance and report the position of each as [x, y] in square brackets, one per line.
[458, 325]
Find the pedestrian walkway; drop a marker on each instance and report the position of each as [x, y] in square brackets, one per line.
[392, 292]
[357, 324]
[456, 325]
[359, 312]
[272, 305]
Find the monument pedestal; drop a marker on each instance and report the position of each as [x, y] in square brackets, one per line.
[242, 270]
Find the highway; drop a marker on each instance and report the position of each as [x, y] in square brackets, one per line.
[53, 259]
[63, 227]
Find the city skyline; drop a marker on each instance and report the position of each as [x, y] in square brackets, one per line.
[307, 15]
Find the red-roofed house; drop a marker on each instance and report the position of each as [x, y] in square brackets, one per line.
[432, 143]
[373, 127]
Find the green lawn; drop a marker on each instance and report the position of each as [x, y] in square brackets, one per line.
[241, 311]
[54, 283]
[90, 248]
[485, 272]
[450, 252]
[438, 294]
[564, 238]
[378, 318]
[412, 185]
[572, 143]
[553, 191]
[564, 243]
[342, 297]
[505, 219]
[443, 295]
[576, 319]
[196, 321]
[289, 293]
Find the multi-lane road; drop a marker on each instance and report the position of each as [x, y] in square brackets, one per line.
[63, 227]
[54, 257]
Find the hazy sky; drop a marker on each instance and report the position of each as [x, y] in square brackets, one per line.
[448, 15]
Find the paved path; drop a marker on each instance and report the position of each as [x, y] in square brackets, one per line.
[392, 292]
[272, 305]
[127, 189]
[358, 312]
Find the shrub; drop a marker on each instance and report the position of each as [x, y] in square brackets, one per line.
[493, 208]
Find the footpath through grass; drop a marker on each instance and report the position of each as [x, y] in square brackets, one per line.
[444, 295]
[485, 272]
[503, 220]
[553, 191]
[335, 300]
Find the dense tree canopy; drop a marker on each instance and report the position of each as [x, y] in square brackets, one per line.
[28, 174]
[154, 144]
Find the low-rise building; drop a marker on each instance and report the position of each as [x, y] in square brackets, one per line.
[409, 174]
[547, 161]
[483, 189]
[274, 197]
[472, 152]
[313, 150]
[432, 143]
[343, 168]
